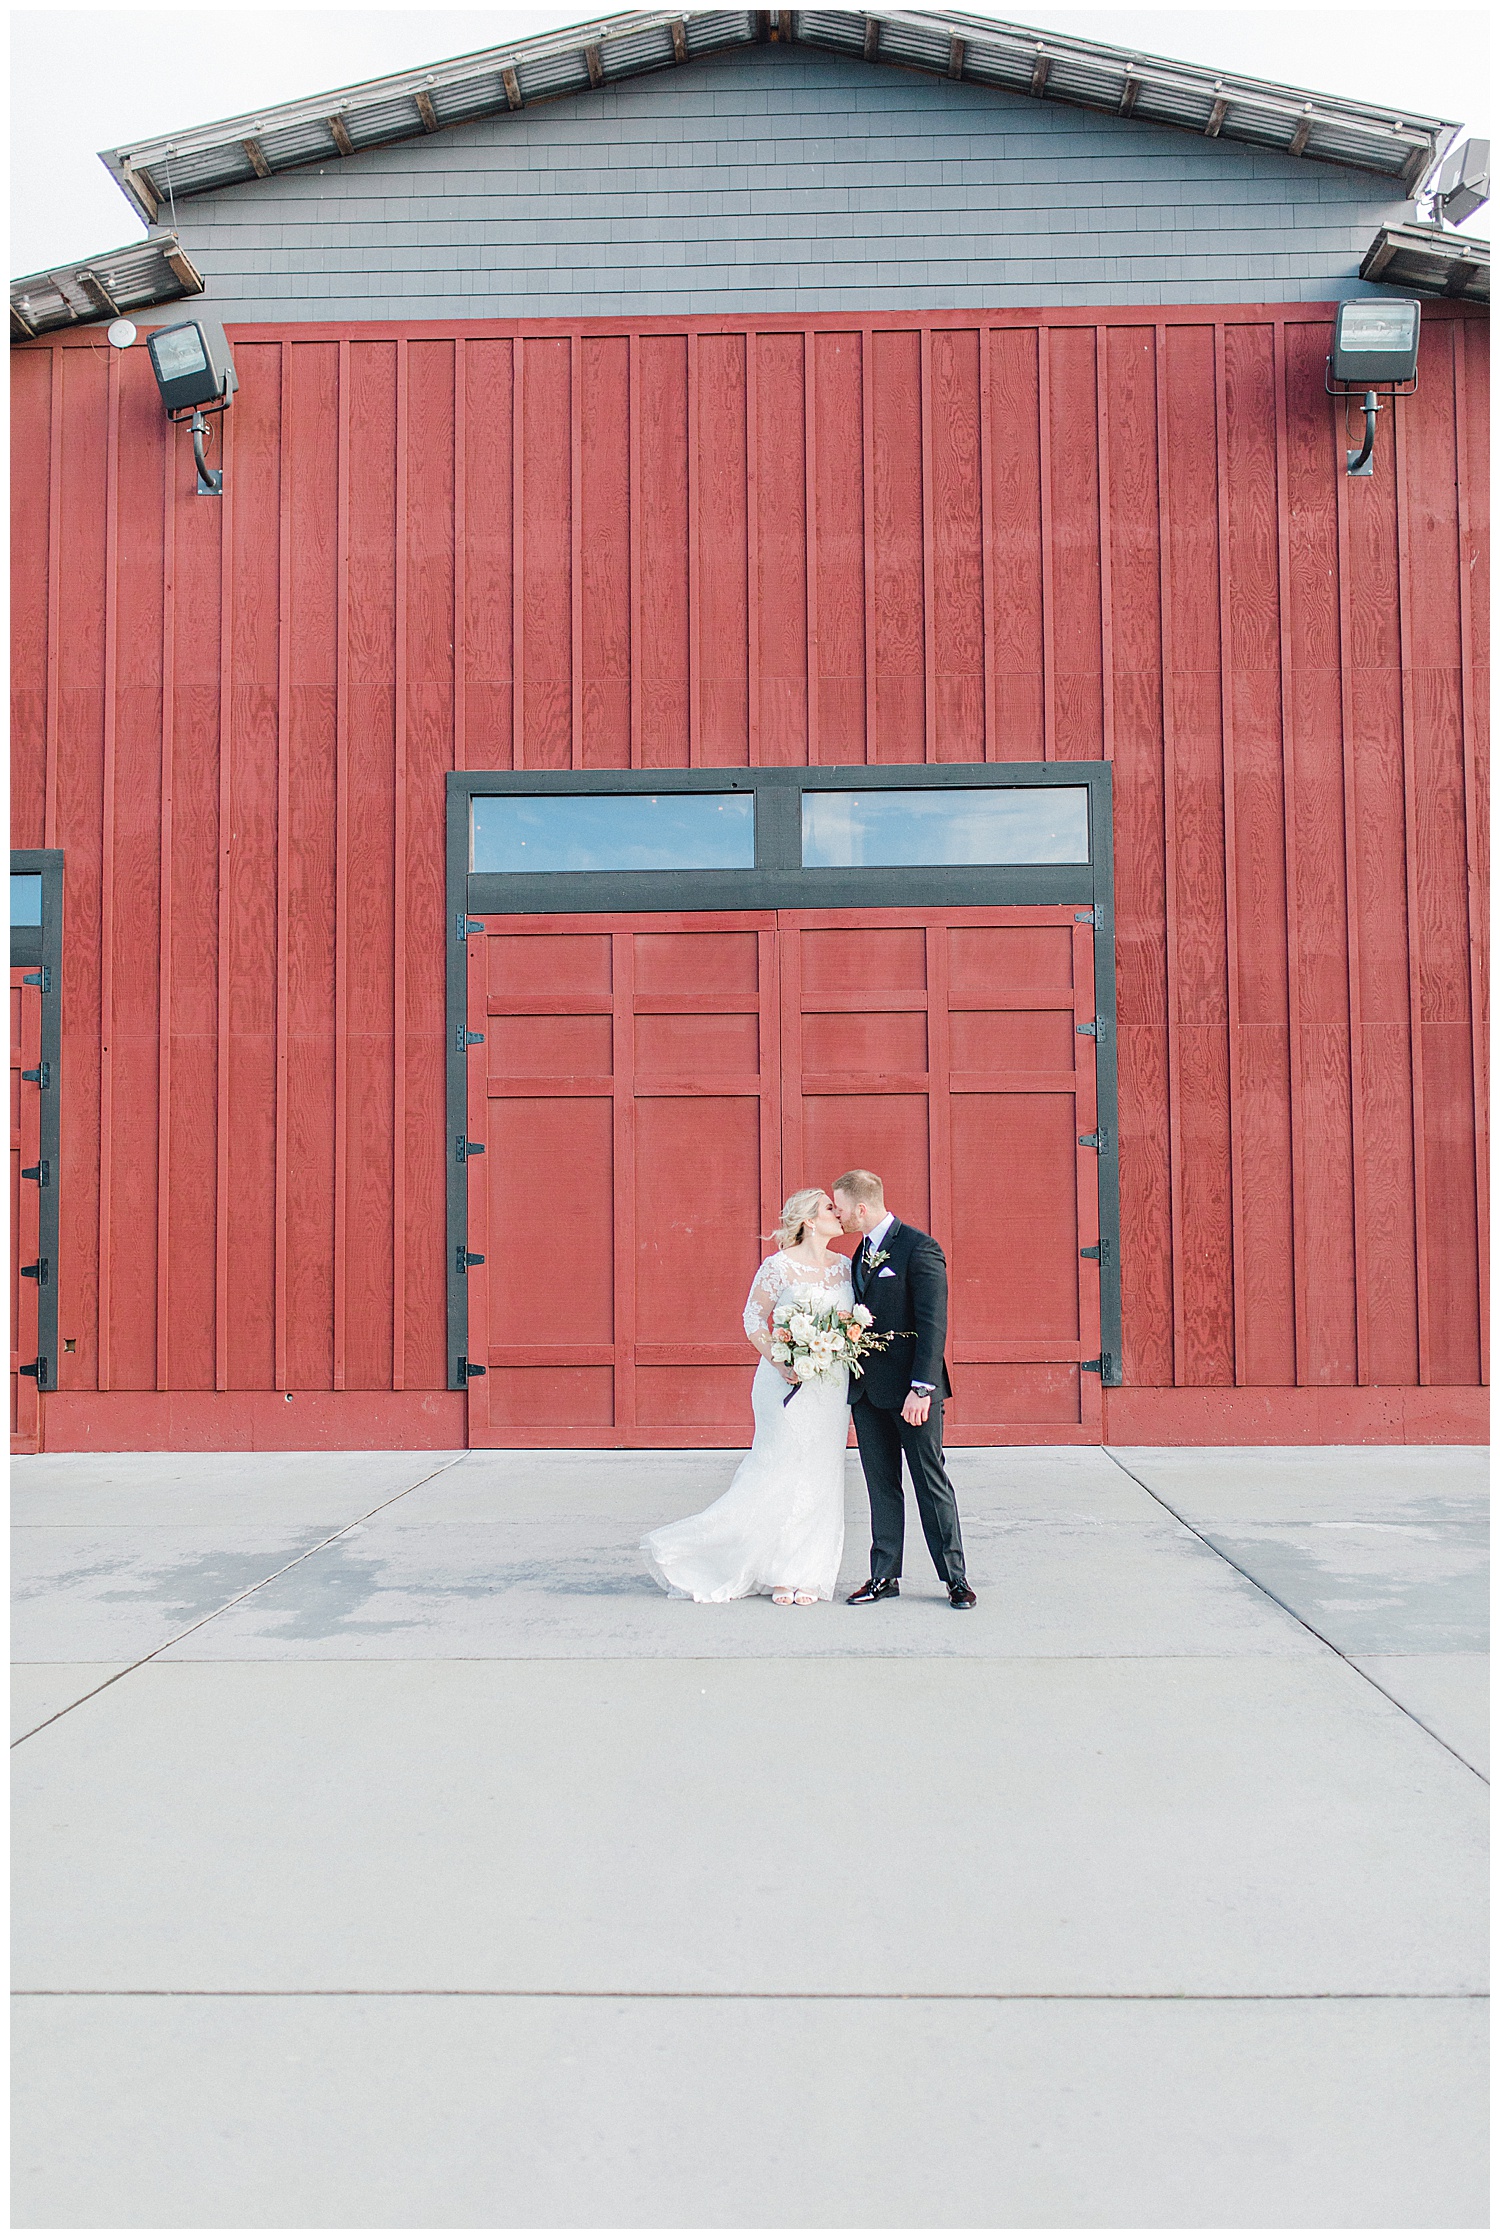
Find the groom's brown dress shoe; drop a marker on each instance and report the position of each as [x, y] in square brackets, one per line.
[875, 1590]
[961, 1595]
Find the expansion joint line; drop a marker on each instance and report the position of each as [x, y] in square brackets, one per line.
[1296, 1614]
[234, 1599]
[859, 1997]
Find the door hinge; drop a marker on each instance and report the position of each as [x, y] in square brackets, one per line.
[38, 1271]
[36, 1368]
[468, 1368]
[463, 1149]
[1094, 1027]
[468, 1259]
[1103, 1367]
[1099, 1142]
[1084, 917]
[40, 1074]
[1100, 1251]
[41, 1173]
[41, 979]
[463, 1039]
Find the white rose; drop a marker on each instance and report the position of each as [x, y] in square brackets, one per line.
[863, 1316]
[801, 1328]
[781, 1352]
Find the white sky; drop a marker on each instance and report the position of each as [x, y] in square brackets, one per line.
[85, 79]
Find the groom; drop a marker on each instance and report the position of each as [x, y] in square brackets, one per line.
[902, 1277]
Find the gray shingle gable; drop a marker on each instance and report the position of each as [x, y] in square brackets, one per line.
[775, 180]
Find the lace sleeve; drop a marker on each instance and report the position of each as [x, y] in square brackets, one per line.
[761, 1302]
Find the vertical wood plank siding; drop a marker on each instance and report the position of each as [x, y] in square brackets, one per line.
[658, 543]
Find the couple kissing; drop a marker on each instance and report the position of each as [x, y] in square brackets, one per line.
[865, 1332]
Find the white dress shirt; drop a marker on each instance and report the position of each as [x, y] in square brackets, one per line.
[873, 1243]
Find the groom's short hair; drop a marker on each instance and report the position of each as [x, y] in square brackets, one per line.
[864, 1187]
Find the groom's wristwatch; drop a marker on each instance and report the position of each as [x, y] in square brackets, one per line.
[926, 1390]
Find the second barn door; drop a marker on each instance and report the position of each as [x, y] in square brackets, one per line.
[954, 1052]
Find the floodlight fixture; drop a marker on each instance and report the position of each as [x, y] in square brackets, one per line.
[1462, 185]
[1375, 343]
[195, 373]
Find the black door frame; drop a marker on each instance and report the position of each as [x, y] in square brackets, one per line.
[779, 882]
[37, 951]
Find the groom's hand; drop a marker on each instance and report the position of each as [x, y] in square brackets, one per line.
[916, 1408]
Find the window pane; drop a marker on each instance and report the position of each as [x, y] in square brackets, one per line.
[25, 898]
[614, 832]
[992, 824]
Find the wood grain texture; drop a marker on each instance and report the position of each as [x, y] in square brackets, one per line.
[107, 751]
[401, 819]
[429, 748]
[896, 388]
[1471, 448]
[603, 488]
[30, 574]
[838, 682]
[134, 1316]
[1078, 717]
[195, 541]
[313, 992]
[956, 551]
[370, 1210]
[698, 542]
[780, 641]
[250, 1027]
[1320, 988]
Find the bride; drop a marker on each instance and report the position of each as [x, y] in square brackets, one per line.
[779, 1530]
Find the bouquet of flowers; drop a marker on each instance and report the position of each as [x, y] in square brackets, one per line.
[815, 1337]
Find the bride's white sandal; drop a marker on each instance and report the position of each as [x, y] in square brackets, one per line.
[783, 1597]
[803, 1600]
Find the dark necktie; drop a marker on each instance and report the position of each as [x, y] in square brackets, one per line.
[861, 1276]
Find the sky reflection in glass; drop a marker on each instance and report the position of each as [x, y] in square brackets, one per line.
[25, 898]
[614, 832]
[949, 825]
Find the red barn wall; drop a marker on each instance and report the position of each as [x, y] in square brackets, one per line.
[599, 544]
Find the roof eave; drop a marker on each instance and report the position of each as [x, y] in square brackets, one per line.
[1429, 260]
[1004, 57]
[112, 285]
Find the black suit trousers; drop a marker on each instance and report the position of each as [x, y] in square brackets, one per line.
[884, 1436]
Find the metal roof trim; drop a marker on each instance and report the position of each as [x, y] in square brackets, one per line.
[1005, 56]
[1429, 260]
[107, 286]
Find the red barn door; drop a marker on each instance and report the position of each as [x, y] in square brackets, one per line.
[941, 1048]
[627, 1096]
[648, 1091]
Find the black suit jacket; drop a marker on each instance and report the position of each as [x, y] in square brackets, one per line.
[908, 1291]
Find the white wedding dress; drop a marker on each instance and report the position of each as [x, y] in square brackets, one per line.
[781, 1523]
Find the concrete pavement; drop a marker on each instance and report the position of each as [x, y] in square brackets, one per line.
[393, 1854]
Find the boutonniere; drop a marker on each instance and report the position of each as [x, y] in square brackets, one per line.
[876, 1259]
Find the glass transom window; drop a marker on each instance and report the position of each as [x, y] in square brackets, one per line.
[530, 832]
[25, 898]
[949, 825]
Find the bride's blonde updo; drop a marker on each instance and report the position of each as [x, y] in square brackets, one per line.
[796, 1217]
